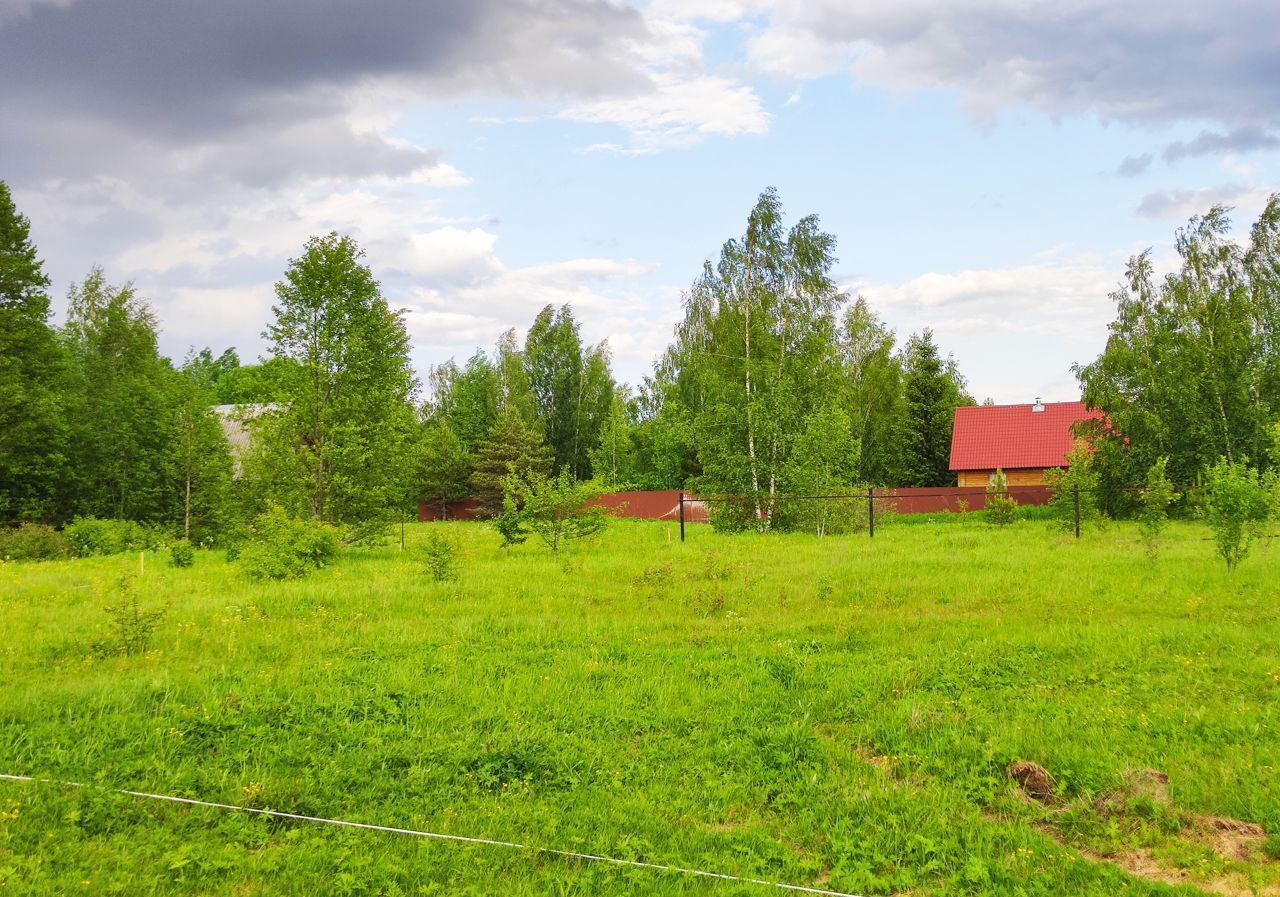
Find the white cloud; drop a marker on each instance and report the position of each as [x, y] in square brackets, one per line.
[679, 112]
[1015, 331]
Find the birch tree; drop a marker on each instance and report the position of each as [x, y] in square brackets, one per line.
[755, 349]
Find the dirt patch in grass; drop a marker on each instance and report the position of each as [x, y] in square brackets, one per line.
[1216, 854]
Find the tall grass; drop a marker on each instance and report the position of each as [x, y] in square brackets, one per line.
[834, 711]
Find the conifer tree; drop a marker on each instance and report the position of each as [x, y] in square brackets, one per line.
[513, 449]
[33, 370]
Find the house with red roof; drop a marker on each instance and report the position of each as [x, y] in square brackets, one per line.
[1022, 440]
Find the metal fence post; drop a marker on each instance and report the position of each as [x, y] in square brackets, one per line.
[1075, 495]
[681, 515]
[871, 512]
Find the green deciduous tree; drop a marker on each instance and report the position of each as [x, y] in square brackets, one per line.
[823, 462]
[1238, 504]
[34, 426]
[571, 385]
[466, 399]
[1191, 369]
[1077, 482]
[872, 385]
[754, 354]
[1154, 501]
[340, 445]
[558, 509]
[201, 464]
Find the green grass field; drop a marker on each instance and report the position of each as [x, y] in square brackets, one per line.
[835, 712]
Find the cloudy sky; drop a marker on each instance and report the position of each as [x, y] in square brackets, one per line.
[987, 165]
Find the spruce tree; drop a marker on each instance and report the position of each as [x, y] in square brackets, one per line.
[125, 420]
[512, 449]
[933, 389]
[33, 368]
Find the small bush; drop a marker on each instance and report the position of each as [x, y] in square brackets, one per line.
[90, 536]
[133, 627]
[1153, 513]
[284, 547]
[33, 542]
[182, 554]
[1238, 506]
[1002, 508]
[441, 558]
[1078, 482]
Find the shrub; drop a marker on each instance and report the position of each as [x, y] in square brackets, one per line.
[182, 554]
[1080, 474]
[1153, 507]
[33, 542]
[284, 547]
[132, 625]
[91, 536]
[559, 509]
[1238, 504]
[1002, 508]
[441, 558]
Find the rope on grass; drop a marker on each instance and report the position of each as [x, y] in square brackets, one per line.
[490, 842]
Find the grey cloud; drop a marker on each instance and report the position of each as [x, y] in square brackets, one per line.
[1184, 203]
[1241, 140]
[97, 87]
[1147, 61]
[1132, 166]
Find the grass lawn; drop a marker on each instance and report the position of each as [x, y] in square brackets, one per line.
[835, 712]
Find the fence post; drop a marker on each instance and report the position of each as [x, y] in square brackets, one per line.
[1075, 495]
[871, 512]
[681, 515]
[402, 529]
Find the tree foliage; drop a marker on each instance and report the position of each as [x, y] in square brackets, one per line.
[933, 388]
[1154, 501]
[34, 419]
[1001, 507]
[1239, 503]
[754, 352]
[1191, 369]
[513, 449]
[558, 509]
[338, 448]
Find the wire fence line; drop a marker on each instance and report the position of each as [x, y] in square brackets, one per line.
[439, 836]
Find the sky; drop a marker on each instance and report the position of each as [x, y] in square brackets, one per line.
[987, 166]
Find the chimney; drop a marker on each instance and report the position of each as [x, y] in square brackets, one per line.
[1038, 407]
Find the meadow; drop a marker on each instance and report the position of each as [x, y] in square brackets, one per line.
[833, 712]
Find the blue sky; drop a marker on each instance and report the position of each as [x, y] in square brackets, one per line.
[492, 157]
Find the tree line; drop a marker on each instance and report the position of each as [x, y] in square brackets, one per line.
[776, 384]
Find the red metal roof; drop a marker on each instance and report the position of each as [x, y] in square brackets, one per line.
[1013, 436]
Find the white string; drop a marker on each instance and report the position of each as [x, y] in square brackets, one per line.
[572, 854]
